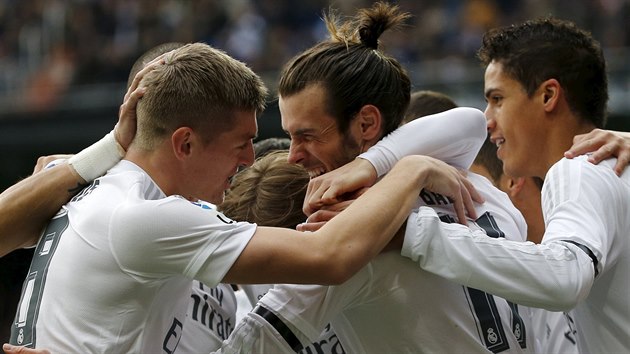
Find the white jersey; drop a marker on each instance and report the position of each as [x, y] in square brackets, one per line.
[112, 272]
[210, 319]
[583, 261]
[326, 343]
[391, 306]
[555, 332]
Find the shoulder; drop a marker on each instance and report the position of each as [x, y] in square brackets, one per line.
[577, 178]
[498, 211]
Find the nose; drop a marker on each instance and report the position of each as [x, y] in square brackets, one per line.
[248, 157]
[296, 154]
[490, 122]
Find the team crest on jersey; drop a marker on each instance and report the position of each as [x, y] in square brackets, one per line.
[492, 336]
[210, 206]
[20, 338]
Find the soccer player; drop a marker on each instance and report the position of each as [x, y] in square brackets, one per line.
[554, 331]
[332, 113]
[545, 82]
[426, 102]
[129, 243]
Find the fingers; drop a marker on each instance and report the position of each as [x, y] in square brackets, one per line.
[623, 160]
[141, 74]
[125, 129]
[585, 143]
[322, 215]
[311, 227]
[603, 152]
[448, 181]
[44, 161]
[14, 349]
[463, 203]
[335, 185]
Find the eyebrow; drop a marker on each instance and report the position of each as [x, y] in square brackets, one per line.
[301, 131]
[489, 91]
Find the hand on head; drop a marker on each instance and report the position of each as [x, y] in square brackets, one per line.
[125, 129]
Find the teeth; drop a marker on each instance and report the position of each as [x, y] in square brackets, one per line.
[499, 142]
[316, 172]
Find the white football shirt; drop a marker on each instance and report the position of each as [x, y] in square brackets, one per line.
[583, 261]
[112, 271]
[390, 305]
[210, 319]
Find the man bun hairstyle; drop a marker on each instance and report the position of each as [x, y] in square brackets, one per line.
[352, 69]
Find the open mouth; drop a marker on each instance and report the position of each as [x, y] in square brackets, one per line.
[316, 172]
[498, 142]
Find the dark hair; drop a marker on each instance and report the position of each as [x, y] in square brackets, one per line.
[352, 70]
[265, 146]
[487, 157]
[426, 102]
[542, 49]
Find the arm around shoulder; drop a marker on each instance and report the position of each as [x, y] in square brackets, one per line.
[26, 206]
[346, 243]
[454, 136]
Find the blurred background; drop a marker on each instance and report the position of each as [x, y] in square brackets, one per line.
[64, 63]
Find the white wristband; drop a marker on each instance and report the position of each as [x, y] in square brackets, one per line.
[93, 161]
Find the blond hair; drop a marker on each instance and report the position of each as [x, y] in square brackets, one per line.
[200, 87]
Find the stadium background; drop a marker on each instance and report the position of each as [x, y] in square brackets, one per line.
[64, 63]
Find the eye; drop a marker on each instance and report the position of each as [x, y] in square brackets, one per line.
[496, 98]
[244, 145]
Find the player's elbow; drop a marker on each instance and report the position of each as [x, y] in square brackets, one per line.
[565, 297]
[334, 268]
[568, 290]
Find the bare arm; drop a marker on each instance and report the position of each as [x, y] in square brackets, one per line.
[347, 242]
[26, 206]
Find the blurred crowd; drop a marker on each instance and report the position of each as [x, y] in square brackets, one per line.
[50, 46]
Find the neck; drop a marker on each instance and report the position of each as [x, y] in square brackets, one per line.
[560, 138]
[157, 164]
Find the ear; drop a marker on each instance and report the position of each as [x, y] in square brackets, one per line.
[551, 91]
[181, 141]
[515, 185]
[370, 120]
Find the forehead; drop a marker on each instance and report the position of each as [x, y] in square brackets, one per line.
[305, 111]
[493, 73]
[244, 126]
[495, 77]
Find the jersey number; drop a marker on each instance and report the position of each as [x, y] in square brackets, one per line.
[23, 329]
[484, 305]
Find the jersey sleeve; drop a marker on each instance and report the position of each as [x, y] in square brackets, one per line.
[165, 237]
[555, 275]
[302, 310]
[454, 136]
[584, 203]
